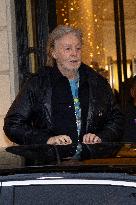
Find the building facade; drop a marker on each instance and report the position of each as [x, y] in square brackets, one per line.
[8, 62]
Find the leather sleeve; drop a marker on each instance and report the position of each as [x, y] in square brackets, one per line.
[17, 123]
[113, 126]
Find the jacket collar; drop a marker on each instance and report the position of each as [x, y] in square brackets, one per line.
[57, 75]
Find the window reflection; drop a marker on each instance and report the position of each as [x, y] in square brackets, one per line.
[96, 20]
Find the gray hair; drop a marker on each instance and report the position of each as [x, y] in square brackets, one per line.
[57, 33]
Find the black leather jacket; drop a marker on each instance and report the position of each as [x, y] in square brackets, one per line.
[29, 119]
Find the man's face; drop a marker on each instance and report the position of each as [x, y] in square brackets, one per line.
[67, 52]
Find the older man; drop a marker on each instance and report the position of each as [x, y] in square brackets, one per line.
[65, 102]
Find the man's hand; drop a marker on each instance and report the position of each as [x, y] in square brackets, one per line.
[59, 140]
[91, 139]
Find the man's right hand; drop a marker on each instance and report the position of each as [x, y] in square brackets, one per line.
[59, 140]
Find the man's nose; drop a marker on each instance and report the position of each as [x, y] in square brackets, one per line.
[74, 52]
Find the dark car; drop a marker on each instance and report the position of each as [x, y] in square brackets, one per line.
[46, 174]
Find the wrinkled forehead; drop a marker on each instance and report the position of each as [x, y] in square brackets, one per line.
[68, 39]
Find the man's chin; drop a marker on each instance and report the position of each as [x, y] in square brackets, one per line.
[73, 68]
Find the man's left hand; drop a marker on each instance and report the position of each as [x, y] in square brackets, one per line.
[91, 139]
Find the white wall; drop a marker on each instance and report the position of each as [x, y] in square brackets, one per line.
[8, 62]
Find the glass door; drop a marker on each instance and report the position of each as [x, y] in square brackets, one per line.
[109, 36]
[96, 20]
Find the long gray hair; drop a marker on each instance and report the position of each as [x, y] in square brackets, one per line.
[57, 33]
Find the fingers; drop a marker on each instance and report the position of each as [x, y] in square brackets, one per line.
[91, 139]
[59, 140]
[65, 140]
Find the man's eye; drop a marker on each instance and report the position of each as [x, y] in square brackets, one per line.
[67, 49]
[79, 48]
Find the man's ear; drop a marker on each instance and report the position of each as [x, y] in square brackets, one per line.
[54, 54]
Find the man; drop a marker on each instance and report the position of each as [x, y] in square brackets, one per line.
[65, 102]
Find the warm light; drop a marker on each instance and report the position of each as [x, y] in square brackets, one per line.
[129, 73]
[88, 16]
[106, 67]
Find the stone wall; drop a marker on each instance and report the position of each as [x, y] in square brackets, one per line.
[8, 62]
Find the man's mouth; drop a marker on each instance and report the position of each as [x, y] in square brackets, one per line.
[74, 61]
